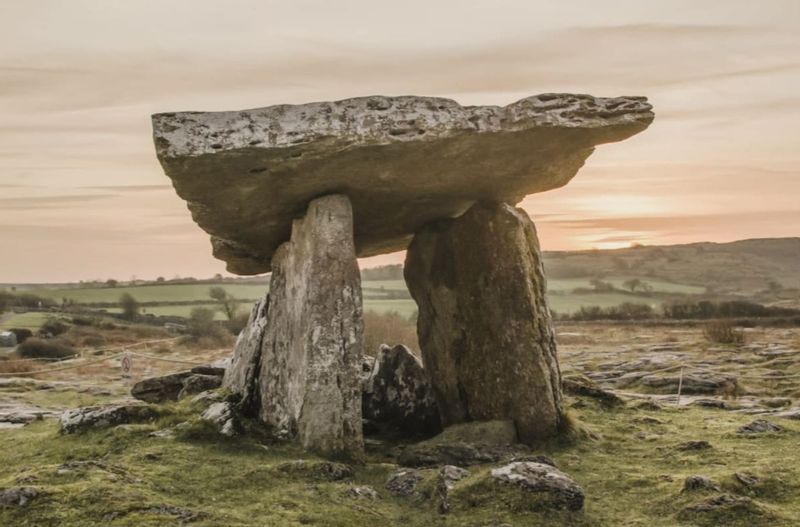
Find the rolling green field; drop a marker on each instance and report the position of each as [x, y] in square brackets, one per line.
[561, 296]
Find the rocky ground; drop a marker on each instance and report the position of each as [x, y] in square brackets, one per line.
[721, 455]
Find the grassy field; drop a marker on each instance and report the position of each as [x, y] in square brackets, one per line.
[632, 475]
[30, 321]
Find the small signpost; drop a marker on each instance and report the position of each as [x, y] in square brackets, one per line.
[126, 364]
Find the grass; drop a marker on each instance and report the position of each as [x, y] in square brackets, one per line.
[32, 320]
[632, 475]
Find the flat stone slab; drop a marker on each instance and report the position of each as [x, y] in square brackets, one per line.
[402, 161]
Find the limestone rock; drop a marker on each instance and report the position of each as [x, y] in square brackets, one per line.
[17, 496]
[311, 349]
[402, 161]
[759, 426]
[160, 389]
[93, 417]
[692, 483]
[223, 416]
[488, 363]
[448, 476]
[367, 492]
[242, 375]
[403, 482]
[583, 386]
[198, 383]
[562, 490]
[399, 395]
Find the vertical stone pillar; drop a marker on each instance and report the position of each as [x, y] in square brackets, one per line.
[484, 327]
[297, 362]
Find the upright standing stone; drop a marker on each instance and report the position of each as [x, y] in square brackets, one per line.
[311, 348]
[484, 326]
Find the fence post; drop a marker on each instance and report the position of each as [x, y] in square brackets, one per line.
[680, 386]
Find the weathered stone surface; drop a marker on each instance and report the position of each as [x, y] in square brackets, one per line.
[92, 417]
[160, 389]
[399, 395]
[403, 482]
[198, 383]
[562, 490]
[17, 496]
[760, 426]
[484, 327]
[242, 375]
[583, 386]
[402, 161]
[322, 470]
[311, 350]
[448, 476]
[697, 482]
[223, 416]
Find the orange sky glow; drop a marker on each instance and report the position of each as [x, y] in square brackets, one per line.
[83, 197]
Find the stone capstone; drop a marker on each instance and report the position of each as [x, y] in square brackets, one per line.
[484, 327]
[402, 161]
[77, 420]
[398, 394]
[562, 491]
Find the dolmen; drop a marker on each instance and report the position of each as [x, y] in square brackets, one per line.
[302, 191]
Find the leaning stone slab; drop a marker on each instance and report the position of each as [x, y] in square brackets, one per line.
[402, 161]
[310, 354]
[484, 327]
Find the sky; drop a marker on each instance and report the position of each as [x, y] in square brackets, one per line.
[83, 197]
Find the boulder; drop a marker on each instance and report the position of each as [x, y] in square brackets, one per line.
[448, 476]
[399, 396]
[403, 482]
[160, 389]
[94, 417]
[402, 161]
[692, 483]
[759, 426]
[198, 383]
[560, 490]
[487, 363]
[17, 496]
[583, 386]
[311, 349]
[223, 416]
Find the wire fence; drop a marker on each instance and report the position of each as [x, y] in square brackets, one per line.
[121, 352]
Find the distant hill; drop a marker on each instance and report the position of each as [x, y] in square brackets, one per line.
[746, 267]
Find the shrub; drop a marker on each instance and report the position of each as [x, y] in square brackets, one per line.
[388, 328]
[22, 334]
[723, 332]
[237, 323]
[34, 348]
[130, 307]
[203, 331]
[54, 327]
[17, 366]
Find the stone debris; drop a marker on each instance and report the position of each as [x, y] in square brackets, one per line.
[17, 496]
[562, 490]
[223, 416]
[363, 492]
[403, 482]
[693, 483]
[694, 445]
[760, 426]
[77, 420]
[323, 470]
[447, 478]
